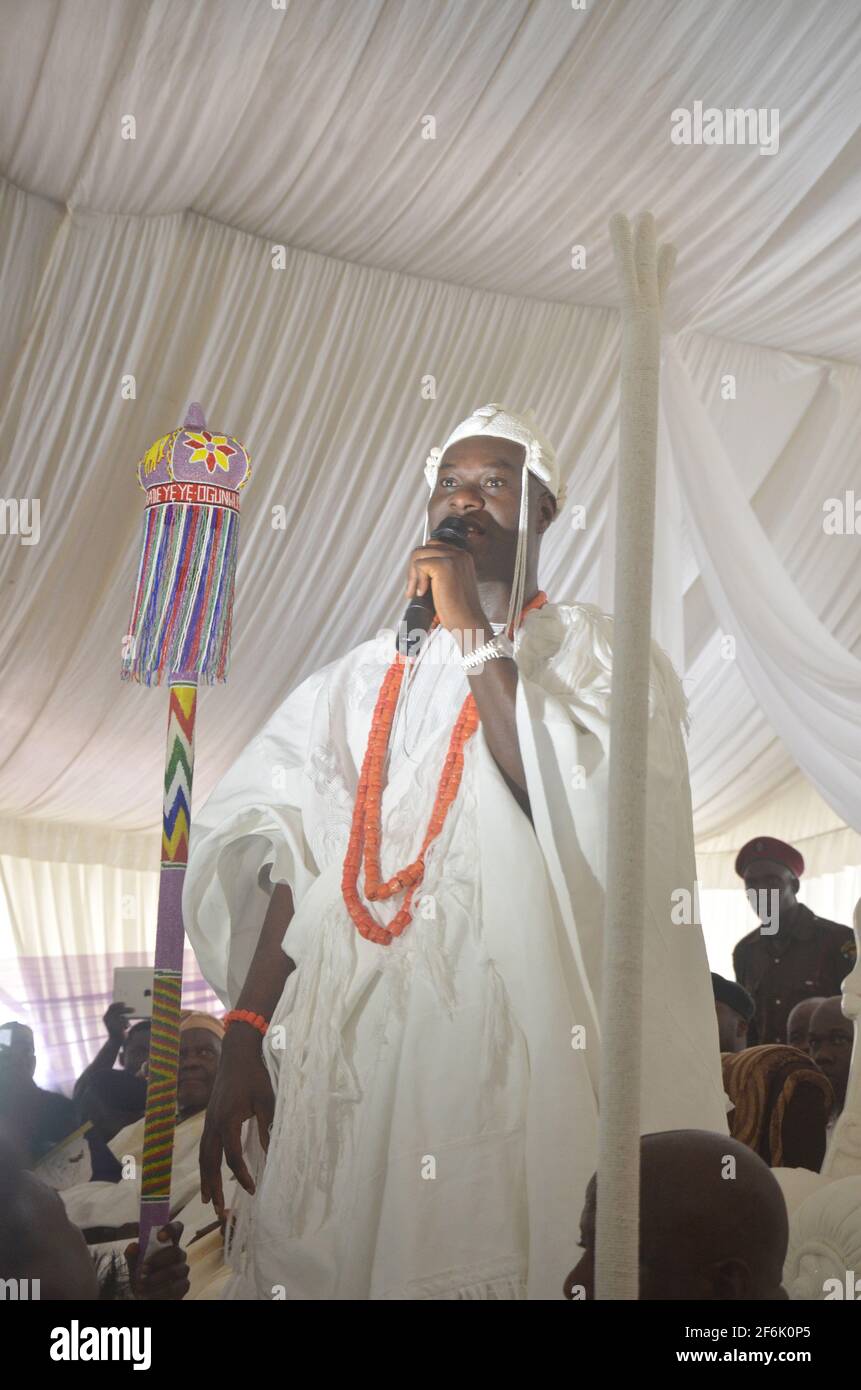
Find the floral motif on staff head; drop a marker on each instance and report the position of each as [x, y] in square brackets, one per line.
[211, 449]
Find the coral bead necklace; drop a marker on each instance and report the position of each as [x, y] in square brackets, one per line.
[367, 818]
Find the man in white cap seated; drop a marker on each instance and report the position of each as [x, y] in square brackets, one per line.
[105, 1211]
[398, 890]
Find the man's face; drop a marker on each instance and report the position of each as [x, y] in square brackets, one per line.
[136, 1050]
[479, 479]
[199, 1051]
[830, 1043]
[17, 1054]
[732, 1029]
[774, 887]
[798, 1024]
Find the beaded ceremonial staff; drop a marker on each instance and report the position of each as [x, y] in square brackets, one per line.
[180, 629]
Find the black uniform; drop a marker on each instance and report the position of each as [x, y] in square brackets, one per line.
[807, 956]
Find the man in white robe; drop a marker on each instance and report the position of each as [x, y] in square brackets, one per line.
[430, 1104]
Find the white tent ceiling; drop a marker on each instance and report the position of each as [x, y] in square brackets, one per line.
[302, 125]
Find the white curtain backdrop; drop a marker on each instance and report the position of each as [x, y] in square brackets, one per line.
[319, 368]
[421, 277]
[807, 685]
[64, 928]
[303, 125]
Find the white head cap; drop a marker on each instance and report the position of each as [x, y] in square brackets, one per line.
[540, 459]
[500, 423]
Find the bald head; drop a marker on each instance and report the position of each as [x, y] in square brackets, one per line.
[798, 1022]
[830, 1044]
[713, 1222]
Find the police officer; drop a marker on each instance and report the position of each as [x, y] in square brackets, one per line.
[793, 954]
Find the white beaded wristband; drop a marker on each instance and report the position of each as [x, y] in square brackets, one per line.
[498, 646]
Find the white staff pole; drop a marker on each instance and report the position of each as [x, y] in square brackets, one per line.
[643, 275]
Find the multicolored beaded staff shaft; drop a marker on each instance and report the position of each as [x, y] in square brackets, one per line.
[180, 629]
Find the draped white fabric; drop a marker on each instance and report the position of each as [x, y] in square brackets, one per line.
[807, 685]
[302, 123]
[259, 125]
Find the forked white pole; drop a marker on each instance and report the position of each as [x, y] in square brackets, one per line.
[643, 275]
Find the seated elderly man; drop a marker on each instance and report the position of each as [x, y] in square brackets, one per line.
[703, 1234]
[798, 1023]
[830, 1041]
[780, 1100]
[107, 1210]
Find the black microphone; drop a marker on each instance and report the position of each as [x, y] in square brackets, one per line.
[420, 612]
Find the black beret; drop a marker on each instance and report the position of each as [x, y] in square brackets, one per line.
[728, 992]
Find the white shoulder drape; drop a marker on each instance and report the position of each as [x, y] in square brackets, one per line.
[565, 665]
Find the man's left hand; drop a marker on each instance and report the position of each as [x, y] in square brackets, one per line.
[451, 572]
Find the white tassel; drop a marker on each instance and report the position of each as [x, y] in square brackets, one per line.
[316, 1087]
[518, 582]
[496, 1035]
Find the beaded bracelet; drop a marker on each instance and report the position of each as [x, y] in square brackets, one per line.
[498, 646]
[246, 1016]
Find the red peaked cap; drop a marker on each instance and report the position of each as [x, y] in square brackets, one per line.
[775, 850]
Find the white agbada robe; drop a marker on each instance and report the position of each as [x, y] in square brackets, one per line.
[436, 1099]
